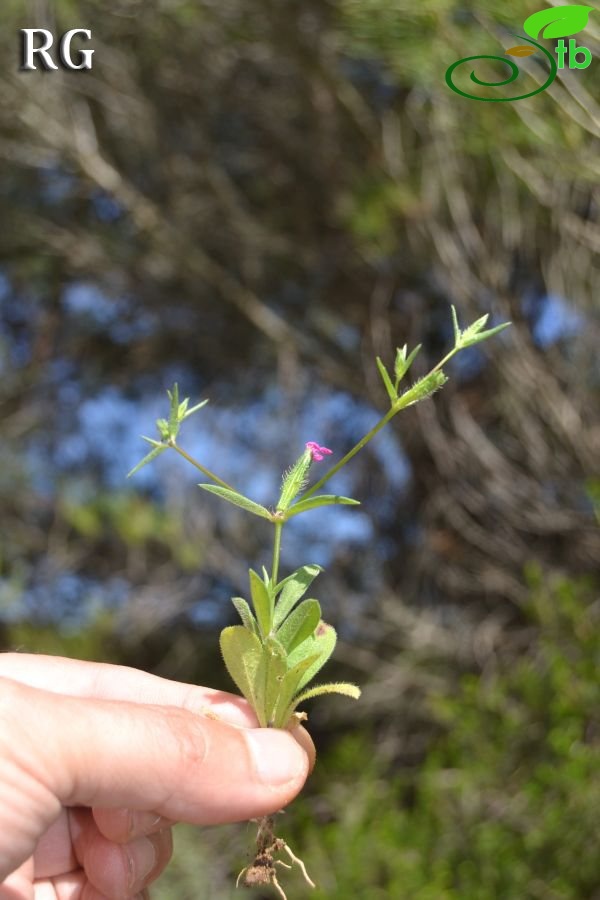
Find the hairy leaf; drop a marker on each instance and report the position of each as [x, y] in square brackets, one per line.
[270, 674]
[321, 645]
[320, 500]
[242, 653]
[289, 686]
[237, 500]
[402, 364]
[386, 380]
[300, 624]
[294, 589]
[158, 449]
[245, 613]
[336, 687]
[262, 602]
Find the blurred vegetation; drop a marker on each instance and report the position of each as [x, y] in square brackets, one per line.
[257, 199]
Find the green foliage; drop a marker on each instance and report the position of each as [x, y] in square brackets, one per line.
[277, 651]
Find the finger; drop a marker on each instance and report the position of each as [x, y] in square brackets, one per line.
[122, 825]
[87, 679]
[18, 885]
[54, 851]
[119, 870]
[183, 765]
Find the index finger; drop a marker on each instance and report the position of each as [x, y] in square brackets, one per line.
[104, 681]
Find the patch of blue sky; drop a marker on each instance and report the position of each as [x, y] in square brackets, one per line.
[116, 315]
[556, 320]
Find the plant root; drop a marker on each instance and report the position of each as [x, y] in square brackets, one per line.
[263, 871]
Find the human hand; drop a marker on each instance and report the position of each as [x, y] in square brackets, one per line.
[97, 762]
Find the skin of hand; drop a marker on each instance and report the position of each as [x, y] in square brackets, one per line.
[97, 762]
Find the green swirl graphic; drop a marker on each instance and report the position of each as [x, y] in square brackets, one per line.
[514, 75]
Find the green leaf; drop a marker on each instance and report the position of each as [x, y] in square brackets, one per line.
[242, 652]
[300, 624]
[402, 364]
[321, 645]
[386, 380]
[262, 602]
[455, 326]
[245, 614]
[270, 674]
[560, 21]
[190, 412]
[335, 687]
[320, 500]
[289, 686]
[237, 500]
[483, 335]
[294, 589]
[158, 449]
[473, 329]
[174, 410]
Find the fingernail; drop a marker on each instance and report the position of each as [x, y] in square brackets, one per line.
[141, 822]
[141, 859]
[277, 757]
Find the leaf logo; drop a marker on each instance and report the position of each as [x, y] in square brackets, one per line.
[519, 50]
[560, 21]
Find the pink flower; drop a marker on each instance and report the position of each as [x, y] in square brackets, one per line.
[317, 453]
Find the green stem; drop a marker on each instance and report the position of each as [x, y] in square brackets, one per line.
[202, 468]
[398, 405]
[363, 441]
[276, 551]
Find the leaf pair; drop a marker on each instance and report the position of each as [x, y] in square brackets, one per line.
[256, 509]
[473, 334]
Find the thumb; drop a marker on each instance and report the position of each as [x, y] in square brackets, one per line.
[186, 766]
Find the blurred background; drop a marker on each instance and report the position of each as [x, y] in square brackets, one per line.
[255, 199]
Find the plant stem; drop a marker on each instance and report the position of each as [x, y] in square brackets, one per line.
[202, 468]
[363, 441]
[276, 550]
[397, 406]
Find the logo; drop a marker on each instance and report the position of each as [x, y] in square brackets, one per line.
[558, 22]
[65, 58]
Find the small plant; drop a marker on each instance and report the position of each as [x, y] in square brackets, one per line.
[282, 642]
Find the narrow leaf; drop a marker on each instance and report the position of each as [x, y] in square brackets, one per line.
[455, 326]
[402, 364]
[300, 624]
[335, 687]
[294, 589]
[242, 652]
[158, 449]
[473, 329]
[174, 410]
[270, 673]
[386, 380]
[320, 500]
[261, 602]
[484, 335]
[237, 500]
[245, 614]
[194, 409]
